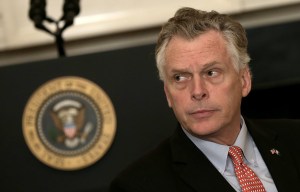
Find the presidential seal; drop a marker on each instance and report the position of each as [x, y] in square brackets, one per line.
[69, 123]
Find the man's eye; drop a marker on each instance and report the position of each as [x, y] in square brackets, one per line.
[212, 73]
[179, 77]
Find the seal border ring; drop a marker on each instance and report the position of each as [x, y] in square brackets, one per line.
[91, 155]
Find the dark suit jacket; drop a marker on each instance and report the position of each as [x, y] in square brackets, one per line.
[178, 165]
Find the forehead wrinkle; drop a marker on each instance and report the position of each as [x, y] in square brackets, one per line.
[191, 61]
[192, 50]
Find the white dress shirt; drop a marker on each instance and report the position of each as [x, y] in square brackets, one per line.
[218, 156]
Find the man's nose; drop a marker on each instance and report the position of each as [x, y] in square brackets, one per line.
[198, 89]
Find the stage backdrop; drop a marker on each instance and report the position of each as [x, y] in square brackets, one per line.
[130, 79]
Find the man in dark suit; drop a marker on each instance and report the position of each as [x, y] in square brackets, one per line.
[203, 61]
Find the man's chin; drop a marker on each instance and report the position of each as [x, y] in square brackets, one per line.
[202, 128]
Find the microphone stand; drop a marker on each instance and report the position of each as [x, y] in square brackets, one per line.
[37, 14]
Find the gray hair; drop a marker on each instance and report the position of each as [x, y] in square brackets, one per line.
[189, 23]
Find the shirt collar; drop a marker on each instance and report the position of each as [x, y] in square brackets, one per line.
[217, 154]
[245, 142]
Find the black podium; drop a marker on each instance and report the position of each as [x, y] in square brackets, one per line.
[128, 77]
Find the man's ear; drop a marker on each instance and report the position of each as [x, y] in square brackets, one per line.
[246, 80]
[167, 93]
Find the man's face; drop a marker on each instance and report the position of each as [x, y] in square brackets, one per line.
[203, 88]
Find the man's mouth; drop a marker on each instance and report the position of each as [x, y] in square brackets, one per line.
[203, 113]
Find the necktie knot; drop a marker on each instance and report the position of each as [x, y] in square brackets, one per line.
[236, 155]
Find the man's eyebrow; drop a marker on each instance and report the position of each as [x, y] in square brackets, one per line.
[211, 64]
[186, 69]
[180, 70]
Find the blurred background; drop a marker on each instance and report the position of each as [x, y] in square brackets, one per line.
[108, 25]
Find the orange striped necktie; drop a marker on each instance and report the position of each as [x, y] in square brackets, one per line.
[248, 180]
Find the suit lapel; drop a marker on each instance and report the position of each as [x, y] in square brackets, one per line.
[281, 165]
[193, 167]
